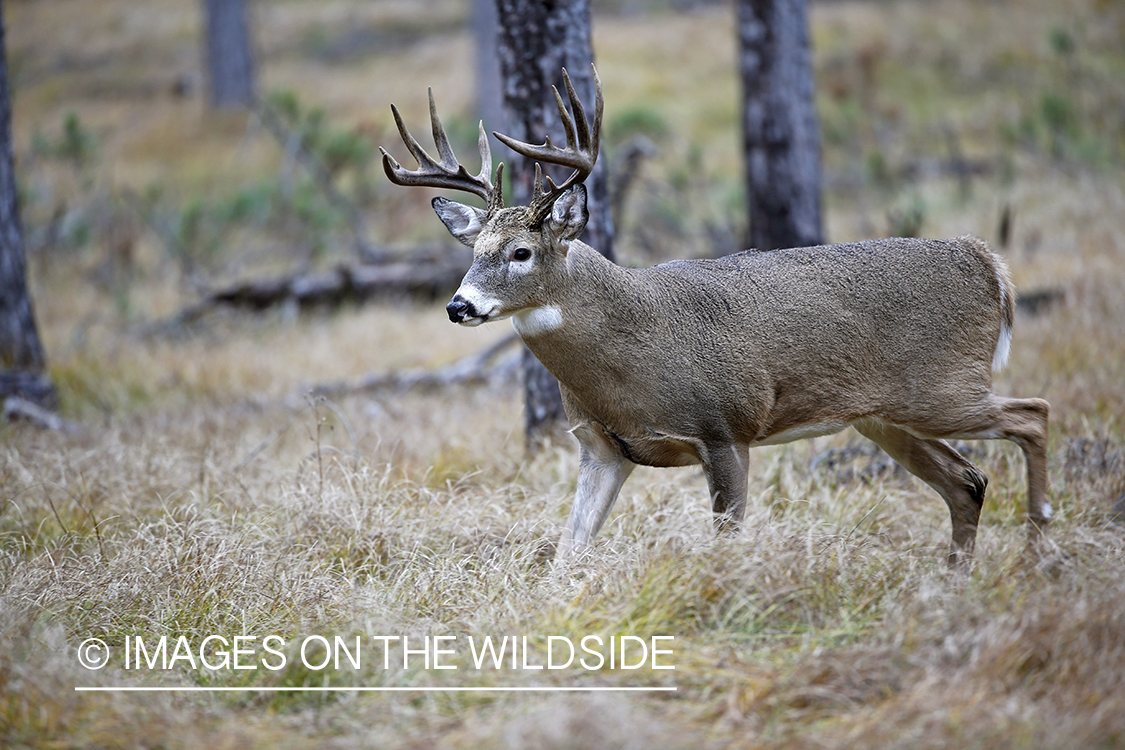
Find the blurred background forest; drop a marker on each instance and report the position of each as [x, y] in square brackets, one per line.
[137, 196]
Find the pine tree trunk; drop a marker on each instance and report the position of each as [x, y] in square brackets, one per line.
[21, 355]
[230, 62]
[537, 40]
[780, 129]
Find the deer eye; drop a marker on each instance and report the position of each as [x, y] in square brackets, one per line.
[521, 254]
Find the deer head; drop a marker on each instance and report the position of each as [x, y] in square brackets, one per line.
[517, 251]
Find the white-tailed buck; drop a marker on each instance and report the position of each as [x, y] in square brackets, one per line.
[696, 361]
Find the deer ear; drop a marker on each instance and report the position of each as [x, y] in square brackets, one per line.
[569, 213]
[463, 222]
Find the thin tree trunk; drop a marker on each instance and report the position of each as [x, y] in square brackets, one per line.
[536, 40]
[21, 353]
[230, 61]
[782, 136]
[490, 104]
[19, 341]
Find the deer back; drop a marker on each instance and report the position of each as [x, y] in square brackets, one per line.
[758, 343]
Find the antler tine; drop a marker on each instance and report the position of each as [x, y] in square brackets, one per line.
[582, 142]
[568, 121]
[446, 172]
[412, 146]
[445, 151]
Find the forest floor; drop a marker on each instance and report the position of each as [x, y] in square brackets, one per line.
[199, 491]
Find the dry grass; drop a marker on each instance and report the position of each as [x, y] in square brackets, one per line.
[204, 495]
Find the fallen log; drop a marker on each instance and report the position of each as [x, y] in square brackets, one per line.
[428, 280]
[1038, 301]
[17, 409]
[343, 284]
[30, 387]
[475, 369]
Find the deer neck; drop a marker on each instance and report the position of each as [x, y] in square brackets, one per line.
[575, 303]
[585, 333]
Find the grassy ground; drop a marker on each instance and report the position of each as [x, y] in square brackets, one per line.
[204, 495]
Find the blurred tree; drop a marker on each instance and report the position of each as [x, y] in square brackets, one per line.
[490, 106]
[21, 355]
[779, 124]
[229, 59]
[536, 41]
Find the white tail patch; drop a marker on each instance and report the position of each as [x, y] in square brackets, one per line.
[1007, 302]
[1003, 348]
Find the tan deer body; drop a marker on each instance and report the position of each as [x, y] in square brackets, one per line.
[696, 361]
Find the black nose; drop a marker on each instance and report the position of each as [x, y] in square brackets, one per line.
[458, 309]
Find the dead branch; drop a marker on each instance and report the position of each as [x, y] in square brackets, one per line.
[625, 170]
[1037, 301]
[475, 369]
[17, 409]
[343, 284]
[30, 387]
[434, 278]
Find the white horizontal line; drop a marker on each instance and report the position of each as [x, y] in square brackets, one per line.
[353, 689]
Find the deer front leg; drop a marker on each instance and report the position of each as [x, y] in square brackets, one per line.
[601, 472]
[725, 466]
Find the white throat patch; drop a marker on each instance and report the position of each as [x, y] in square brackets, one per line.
[537, 320]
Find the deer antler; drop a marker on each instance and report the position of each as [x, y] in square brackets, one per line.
[448, 172]
[580, 154]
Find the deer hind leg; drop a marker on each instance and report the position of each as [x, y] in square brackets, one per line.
[960, 484]
[1024, 422]
[1020, 420]
[726, 466]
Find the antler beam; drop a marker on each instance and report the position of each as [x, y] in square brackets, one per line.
[582, 144]
[446, 172]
